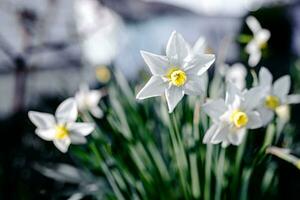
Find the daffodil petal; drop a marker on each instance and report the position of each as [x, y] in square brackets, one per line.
[265, 77]
[157, 64]
[96, 112]
[293, 99]
[199, 64]
[215, 109]
[81, 128]
[253, 24]
[220, 134]
[177, 49]
[210, 133]
[173, 95]
[199, 46]
[155, 87]
[62, 144]
[262, 36]
[77, 139]
[41, 120]
[281, 87]
[253, 97]
[237, 136]
[254, 120]
[67, 111]
[94, 97]
[194, 85]
[254, 58]
[46, 134]
[266, 115]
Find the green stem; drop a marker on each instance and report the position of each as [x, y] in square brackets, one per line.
[208, 160]
[220, 174]
[237, 166]
[106, 171]
[179, 154]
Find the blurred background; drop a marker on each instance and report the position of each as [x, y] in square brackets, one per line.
[49, 47]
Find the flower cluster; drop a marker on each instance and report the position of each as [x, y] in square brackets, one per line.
[62, 127]
[180, 71]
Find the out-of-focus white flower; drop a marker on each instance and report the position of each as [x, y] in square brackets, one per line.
[232, 117]
[236, 74]
[62, 128]
[88, 100]
[99, 29]
[175, 74]
[258, 42]
[276, 94]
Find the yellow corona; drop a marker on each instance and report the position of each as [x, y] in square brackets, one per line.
[272, 102]
[239, 118]
[61, 132]
[176, 76]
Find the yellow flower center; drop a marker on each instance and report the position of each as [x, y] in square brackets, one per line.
[176, 76]
[61, 132]
[272, 102]
[238, 118]
[263, 45]
[103, 74]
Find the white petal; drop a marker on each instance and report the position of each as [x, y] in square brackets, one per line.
[173, 95]
[210, 133]
[77, 139]
[157, 64]
[237, 136]
[41, 120]
[177, 49]
[81, 128]
[96, 112]
[254, 120]
[215, 109]
[199, 46]
[253, 24]
[282, 87]
[266, 115]
[293, 99]
[67, 111]
[254, 58]
[204, 81]
[265, 77]
[252, 47]
[93, 98]
[253, 97]
[199, 64]
[231, 93]
[262, 36]
[220, 135]
[62, 144]
[46, 134]
[154, 87]
[194, 85]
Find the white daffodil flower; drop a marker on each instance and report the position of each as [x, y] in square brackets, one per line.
[61, 128]
[258, 42]
[88, 100]
[232, 117]
[276, 94]
[175, 74]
